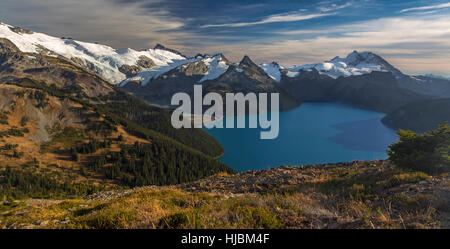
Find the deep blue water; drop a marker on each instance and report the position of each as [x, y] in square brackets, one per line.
[312, 133]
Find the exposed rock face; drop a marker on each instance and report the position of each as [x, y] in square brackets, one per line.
[145, 62]
[44, 51]
[19, 30]
[129, 71]
[6, 46]
[89, 66]
[159, 46]
[194, 68]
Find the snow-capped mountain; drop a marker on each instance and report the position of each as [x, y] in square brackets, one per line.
[101, 59]
[206, 66]
[217, 66]
[355, 63]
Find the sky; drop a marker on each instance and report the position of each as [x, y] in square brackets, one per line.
[414, 36]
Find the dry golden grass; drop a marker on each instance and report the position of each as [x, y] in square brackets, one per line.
[171, 207]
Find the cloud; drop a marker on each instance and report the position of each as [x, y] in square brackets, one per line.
[287, 17]
[335, 7]
[413, 43]
[291, 17]
[429, 7]
[95, 21]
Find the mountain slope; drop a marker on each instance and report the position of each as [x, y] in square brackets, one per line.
[69, 122]
[419, 116]
[376, 91]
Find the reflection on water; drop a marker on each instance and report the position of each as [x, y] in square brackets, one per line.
[364, 135]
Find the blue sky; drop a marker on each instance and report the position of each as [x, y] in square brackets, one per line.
[412, 35]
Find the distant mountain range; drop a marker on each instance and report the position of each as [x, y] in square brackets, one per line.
[361, 79]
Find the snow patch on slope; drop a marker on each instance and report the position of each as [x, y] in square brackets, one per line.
[292, 74]
[273, 70]
[216, 67]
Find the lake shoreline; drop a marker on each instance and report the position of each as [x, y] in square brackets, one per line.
[309, 134]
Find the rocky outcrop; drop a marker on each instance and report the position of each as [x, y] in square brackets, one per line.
[145, 62]
[129, 71]
[159, 46]
[194, 68]
[20, 30]
[6, 46]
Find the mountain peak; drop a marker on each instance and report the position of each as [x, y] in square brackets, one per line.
[162, 47]
[224, 59]
[355, 57]
[247, 61]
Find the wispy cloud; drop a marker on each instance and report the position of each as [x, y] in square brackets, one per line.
[290, 17]
[300, 15]
[414, 43]
[95, 21]
[429, 7]
[334, 7]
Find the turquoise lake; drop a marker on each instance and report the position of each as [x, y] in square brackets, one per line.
[313, 133]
